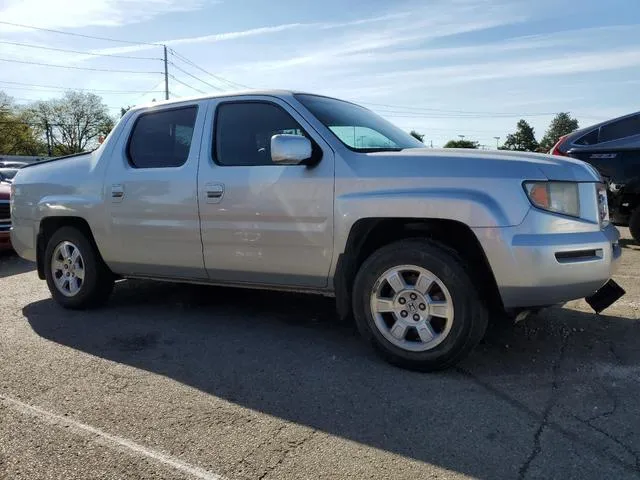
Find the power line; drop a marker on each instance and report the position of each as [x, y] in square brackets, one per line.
[196, 78]
[187, 85]
[54, 88]
[73, 68]
[108, 39]
[217, 77]
[78, 51]
[454, 111]
[459, 116]
[150, 91]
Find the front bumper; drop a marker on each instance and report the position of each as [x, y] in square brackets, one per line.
[23, 238]
[539, 269]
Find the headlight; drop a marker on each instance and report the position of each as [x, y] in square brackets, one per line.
[603, 204]
[558, 197]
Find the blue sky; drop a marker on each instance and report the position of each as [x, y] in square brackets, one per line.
[442, 67]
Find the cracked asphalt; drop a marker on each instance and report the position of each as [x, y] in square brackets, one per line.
[173, 381]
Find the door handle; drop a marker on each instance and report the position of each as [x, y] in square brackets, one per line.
[214, 192]
[117, 193]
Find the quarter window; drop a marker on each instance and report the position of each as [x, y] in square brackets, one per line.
[244, 131]
[162, 139]
[590, 138]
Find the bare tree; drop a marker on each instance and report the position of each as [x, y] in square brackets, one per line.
[73, 123]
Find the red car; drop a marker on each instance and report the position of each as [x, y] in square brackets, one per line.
[5, 216]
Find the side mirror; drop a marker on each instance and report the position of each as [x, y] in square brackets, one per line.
[290, 149]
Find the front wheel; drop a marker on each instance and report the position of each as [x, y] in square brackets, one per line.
[76, 275]
[415, 302]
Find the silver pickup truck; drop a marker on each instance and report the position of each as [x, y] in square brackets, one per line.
[300, 192]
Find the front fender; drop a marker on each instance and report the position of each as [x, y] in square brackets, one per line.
[473, 208]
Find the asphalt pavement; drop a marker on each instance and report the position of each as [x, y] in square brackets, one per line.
[174, 381]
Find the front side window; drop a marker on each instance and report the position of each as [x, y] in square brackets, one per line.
[162, 139]
[357, 127]
[244, 131]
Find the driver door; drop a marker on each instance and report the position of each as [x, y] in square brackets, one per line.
[261, 222]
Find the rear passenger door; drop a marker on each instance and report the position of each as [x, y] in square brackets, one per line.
[151, 194]
[264, 223]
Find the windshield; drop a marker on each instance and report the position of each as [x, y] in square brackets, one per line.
[358, 128]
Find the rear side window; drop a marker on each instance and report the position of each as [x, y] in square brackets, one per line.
[244, 131]
[162, 139]
[620, 129]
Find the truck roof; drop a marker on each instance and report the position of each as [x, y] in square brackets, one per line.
[234, 93]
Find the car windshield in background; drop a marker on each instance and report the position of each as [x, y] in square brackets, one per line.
[8, 173]
[357, 127]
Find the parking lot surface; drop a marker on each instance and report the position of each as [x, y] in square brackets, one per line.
[173, 381]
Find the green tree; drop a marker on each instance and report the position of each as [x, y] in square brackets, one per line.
[461, 144]
[418, 136]
[523, 140]
[17, 135]
[562, 124]
[73, 123]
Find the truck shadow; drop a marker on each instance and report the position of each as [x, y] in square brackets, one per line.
[629, 243]
[286, 356]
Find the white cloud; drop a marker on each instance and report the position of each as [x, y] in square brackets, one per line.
[372, 49]
[253, 32]
[86, 13]
[551, 66]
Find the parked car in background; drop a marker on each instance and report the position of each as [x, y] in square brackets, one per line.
[300, 192]
[613, 148]
[5, 217]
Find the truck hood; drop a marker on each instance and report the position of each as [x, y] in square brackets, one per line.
[525, 164]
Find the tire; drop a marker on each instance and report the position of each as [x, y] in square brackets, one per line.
[634, 224]
[448, 340]
[97, 281]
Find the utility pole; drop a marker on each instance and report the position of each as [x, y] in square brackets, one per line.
[46, 126]
[462, 137]
[497, 144]
[166, 75]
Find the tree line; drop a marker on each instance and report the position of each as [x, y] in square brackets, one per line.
[524, 138]
[61, 126]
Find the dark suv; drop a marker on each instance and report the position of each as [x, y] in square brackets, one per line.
[613, 148]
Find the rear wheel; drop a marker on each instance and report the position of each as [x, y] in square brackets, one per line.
[415, 302]
[76, 275]
[634, 224]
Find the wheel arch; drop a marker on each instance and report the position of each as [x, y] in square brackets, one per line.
[369, 234]
[48, 226]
